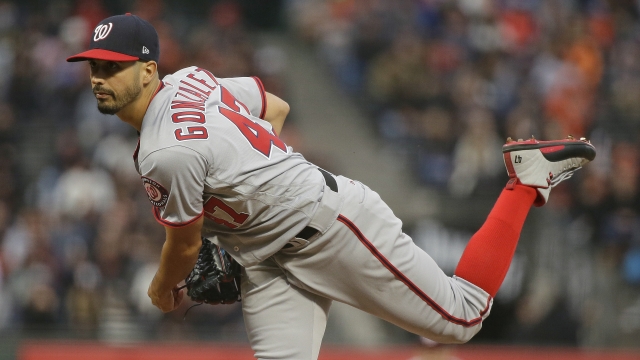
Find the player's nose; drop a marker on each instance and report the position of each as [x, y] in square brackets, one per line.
[97, 75]
[96, 80]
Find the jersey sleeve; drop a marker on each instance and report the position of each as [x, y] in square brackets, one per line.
[249, 91]
[174, 180]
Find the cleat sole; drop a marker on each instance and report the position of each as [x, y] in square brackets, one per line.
[556, 150]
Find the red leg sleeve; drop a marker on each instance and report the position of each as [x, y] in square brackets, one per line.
[488, 254]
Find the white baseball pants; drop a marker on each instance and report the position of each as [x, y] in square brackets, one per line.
[364, 260]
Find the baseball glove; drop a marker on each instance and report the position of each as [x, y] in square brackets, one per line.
[215, 279]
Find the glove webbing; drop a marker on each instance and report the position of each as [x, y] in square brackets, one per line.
[215, 278]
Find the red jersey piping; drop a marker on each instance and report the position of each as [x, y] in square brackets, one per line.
[156, 215]
[263, 95]
[413, 287]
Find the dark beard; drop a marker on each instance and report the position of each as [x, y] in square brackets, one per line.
[112, 108]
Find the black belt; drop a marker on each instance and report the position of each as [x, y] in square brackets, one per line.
[329, 180]
[308, 231]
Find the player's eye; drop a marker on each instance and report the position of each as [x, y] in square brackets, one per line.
[112, 65]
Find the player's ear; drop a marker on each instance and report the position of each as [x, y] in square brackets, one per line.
[148, 70]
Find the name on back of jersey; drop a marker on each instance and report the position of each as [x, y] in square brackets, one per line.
[188, 106]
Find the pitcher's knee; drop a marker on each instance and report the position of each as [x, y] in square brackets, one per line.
[454, 334]
[461, 337]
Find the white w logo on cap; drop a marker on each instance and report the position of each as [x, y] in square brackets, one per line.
[102, 31]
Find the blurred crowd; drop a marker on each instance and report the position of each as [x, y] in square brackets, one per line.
[78, 243]
[447, 81]
[444, 81]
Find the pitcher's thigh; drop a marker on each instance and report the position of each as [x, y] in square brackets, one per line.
[365, 260]
[282, 321]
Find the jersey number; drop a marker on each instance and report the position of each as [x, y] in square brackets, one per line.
[260, 138]
[221, 213]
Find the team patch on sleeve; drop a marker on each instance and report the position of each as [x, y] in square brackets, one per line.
[158, 195]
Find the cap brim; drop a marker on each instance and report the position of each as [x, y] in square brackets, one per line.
[101, 54]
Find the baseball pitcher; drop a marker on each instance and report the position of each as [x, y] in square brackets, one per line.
[214, 168]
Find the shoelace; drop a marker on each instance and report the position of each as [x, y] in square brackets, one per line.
[563, 176]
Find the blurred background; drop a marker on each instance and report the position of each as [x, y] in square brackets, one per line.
[412, 97]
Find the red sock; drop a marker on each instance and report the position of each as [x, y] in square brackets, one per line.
[488, 254]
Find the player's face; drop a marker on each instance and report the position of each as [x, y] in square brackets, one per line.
[115, 84]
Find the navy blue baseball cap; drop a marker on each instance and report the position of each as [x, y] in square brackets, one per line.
[122, 38]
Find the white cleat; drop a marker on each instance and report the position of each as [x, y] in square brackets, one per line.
[544, 164]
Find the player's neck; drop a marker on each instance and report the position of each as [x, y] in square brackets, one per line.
[133, 114]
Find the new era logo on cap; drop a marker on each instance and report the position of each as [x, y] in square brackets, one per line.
[121, 38]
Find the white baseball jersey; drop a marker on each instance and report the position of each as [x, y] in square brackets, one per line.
[204, 151]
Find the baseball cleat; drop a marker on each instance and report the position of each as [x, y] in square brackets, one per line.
[544, 164]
